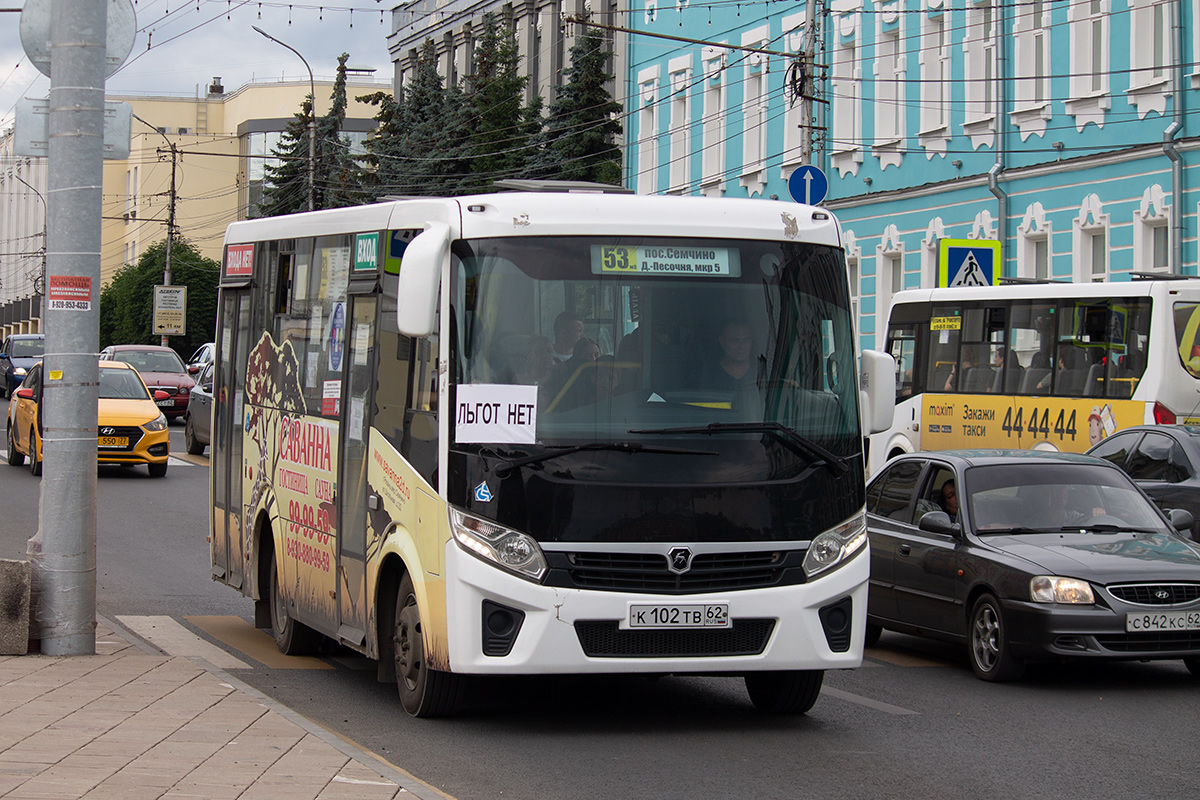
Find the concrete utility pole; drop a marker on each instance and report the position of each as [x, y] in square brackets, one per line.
[808, 60]
[170, 210]
[66, 610]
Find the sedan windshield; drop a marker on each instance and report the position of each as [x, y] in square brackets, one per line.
[121, 384]
[1039, 497]
[151, 360]
[619, 340]
[27, 348]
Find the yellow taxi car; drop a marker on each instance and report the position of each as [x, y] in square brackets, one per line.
[131, 429]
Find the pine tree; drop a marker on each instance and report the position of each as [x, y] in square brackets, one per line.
[285, 186]
[505, 131]
[584, 120]
[338, 179]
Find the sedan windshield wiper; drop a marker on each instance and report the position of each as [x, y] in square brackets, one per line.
[789, 437]
[620, 447]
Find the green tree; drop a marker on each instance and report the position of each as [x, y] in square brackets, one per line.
[505, 132]
[336, 176]
[580, 137]
[127, 302]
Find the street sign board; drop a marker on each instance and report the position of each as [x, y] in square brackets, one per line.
[120, 30]
[968, 262]
[808, 184]
[31, 129]
[170, 310]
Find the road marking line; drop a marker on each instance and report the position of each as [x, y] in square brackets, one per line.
[878, 705]
[245, 638]
[903, 659]
[174, 639]
[190, 460]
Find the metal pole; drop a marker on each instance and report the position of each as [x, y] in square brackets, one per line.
[312, 116]
[809, 59]
[66, 610]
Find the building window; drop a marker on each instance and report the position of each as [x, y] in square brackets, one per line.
[889, 278]
[1150, 55]
[1033, 251]
[1031, 68]
[889, 89]
[1089, 62]
[1152, 232]
[647, 163]
[1091, 241]
[979, 50]
[681, 82]
[754, 113]
[713, 122]
[846, 90]
[935, 68]
[930, 248]
[793, 115]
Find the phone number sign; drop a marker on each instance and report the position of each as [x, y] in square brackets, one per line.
[69, 292]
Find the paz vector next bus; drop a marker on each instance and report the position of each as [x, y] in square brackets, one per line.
[535, 432]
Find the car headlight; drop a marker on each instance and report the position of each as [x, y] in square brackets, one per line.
[19, 371]
[511, 550]
[1049, 589]
[157, 425]
[836, 545]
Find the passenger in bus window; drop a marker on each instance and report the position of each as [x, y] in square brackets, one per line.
[969, 361]
[572, 382]
[539, 361]
[568, 330]
[734, 368]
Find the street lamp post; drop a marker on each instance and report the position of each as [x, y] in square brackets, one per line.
[312, 115]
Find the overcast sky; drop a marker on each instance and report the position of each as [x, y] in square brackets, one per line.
[192, 41]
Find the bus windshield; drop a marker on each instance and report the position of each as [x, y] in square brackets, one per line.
[614, 339]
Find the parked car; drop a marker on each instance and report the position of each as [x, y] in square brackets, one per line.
[161, 368]
[131, 429]
[19, 352]
[1029, 556]
[1162, 461]
[203, 355]
[198, 420]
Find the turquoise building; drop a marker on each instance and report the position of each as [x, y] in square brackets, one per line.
[1067, 131]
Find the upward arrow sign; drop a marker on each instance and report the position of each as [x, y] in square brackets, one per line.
[808, 179]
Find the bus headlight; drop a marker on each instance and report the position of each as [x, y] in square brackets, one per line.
[511, 550]
[836, 545]
[1050, 589]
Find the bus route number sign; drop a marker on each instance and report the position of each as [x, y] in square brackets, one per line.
[664, 260]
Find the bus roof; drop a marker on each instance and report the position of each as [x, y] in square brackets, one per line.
[1049, 291]
[561, 214]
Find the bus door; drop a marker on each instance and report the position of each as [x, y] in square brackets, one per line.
[357, 408]
[228, 537]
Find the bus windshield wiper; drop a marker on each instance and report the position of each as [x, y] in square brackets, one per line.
[620, 447]
[789, 437]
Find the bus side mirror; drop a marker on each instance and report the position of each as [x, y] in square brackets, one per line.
[420, 275]
[877, 390]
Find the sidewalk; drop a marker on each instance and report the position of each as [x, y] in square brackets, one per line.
[126, 723]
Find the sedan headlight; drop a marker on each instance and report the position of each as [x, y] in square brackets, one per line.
[1049, 589]
[157, 425]
[836, 545]
[511, 550]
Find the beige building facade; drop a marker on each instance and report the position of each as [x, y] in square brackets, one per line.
[215, 144]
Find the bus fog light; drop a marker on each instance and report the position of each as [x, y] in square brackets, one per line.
[836, 545]
[512, 550]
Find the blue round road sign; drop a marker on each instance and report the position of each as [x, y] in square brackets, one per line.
[808, 184]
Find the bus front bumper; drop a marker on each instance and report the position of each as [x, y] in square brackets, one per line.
[561, 630]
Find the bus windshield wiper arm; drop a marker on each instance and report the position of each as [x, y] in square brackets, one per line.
[620, 447]
[788, 436]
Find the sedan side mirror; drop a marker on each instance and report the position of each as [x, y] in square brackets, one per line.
[25, 393]
[938, 522]
[193, 369]
[159, 394]
[1181, 519]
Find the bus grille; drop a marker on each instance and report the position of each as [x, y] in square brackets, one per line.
[604, 639]
[648, 572]
[1156, 594]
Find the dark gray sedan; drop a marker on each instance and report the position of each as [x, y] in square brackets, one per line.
[1162, 460]
[197, 421]
[1027, 556]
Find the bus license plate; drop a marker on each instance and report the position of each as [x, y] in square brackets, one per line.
[168, 402]
[672, 615]
[113, 441]
[1162, 621]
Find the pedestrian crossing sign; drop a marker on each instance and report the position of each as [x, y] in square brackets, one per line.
[968, 262]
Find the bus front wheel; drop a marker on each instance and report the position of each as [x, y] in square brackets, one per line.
[787, 692]
[291, 637]
[424, 692]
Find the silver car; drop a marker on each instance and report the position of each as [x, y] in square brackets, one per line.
[197, 420]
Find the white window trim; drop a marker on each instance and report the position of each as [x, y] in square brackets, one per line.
[1146, 91]
[1034, 229]
[713, 121]
[889, 256]
[647, 162]
[1085, 227]
[1152, 212]
[1085, 103]
[979, 50]
[679, 133]
[1030, 115]
[846, 85]
[934, 133]
[930, 252]
[889, 131]
[755, 117]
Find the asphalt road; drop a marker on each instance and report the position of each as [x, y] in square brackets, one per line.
[912, 723]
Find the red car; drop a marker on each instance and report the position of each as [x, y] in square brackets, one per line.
[161, 368]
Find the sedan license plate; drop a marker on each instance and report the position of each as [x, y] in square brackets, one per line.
[1162, 621]
[168, 402]
[674, 615]
[113, 441]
